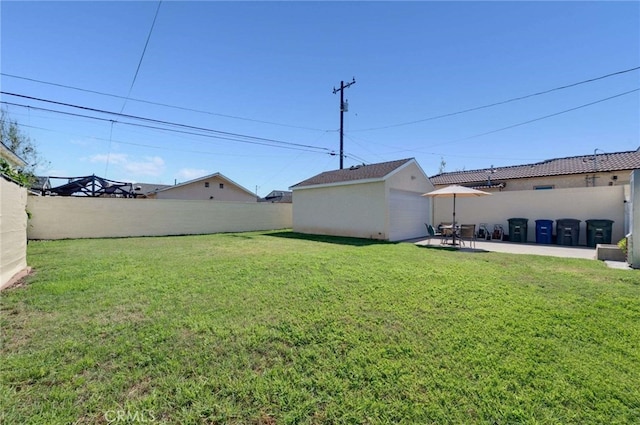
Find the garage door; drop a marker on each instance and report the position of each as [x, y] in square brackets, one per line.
[408, 212]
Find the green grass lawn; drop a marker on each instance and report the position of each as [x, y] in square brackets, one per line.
[282, 328]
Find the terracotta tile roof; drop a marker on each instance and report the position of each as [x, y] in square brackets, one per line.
[358, 172]
[617, 161]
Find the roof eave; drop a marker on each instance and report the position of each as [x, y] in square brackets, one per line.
[12, 156]
[342, 183]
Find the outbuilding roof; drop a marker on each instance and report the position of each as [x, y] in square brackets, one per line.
[358, 172]
[601, 162]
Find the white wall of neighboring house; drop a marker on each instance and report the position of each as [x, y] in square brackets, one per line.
[612, 178]
[605, 202]
[13, 230]
[198, 190]
[354, 210]
[573, 180]
[74, 217]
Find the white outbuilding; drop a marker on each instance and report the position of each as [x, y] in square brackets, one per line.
[376, 201]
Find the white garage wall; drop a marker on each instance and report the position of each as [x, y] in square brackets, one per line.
[66, 217]
[408, 210]
[579, 203]
[408, 213]
[356, 210]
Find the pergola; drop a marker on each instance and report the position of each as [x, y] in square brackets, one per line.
[93, 186]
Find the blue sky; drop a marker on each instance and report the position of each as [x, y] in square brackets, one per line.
[268, 69]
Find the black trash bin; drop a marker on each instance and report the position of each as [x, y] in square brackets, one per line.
[544, 230]
[518, 229]
[567, 231]
[598, 231]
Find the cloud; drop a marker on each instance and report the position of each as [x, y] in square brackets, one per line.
[148, 166]
[57, 172]
[151, 166]
[191, 173]
[114, 158]
[85, 142]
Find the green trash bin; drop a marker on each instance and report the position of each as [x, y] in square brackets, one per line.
[598, 231]
[518, 229]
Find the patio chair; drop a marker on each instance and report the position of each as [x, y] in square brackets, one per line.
[483, 232]
[498, 232]
[432, 233]
[468, 234]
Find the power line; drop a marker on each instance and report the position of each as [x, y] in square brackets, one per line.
[355, 140]
[135, 77]
[539, 118]
[182, 108]
[144, 50]
[501, 102]
[449, 154]
[507, 128]
[356, 158]
[102, 111]
[147, 145]
[295, 146]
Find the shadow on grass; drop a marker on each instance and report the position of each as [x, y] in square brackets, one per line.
[439, 247]
[339, 240]
[451, 248]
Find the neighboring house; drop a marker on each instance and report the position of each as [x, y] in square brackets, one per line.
[146, 190]
[13, 159]
[214, 187]
[377, 201]
[41, 186]
[278, 197]
[601, 169]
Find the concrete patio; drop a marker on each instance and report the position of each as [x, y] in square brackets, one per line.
[583, 252]
[522, 248]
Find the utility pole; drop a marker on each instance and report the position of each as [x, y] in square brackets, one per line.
[343, 108]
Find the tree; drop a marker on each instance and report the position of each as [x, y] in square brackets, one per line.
[442, 166]
[12, 137]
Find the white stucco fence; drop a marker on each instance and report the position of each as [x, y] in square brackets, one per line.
[634, 225]
[607, 202]
[13, 227]
[75, 217]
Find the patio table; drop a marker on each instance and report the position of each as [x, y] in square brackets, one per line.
[448, 232]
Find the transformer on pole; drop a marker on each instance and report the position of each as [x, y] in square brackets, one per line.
[343, 108]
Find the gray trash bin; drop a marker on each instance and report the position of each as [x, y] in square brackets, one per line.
[567, 231]
[518, 229]
[598, 231]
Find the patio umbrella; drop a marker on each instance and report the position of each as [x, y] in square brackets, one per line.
[455, 191]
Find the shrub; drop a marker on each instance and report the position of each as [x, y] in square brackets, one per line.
[622, 244]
